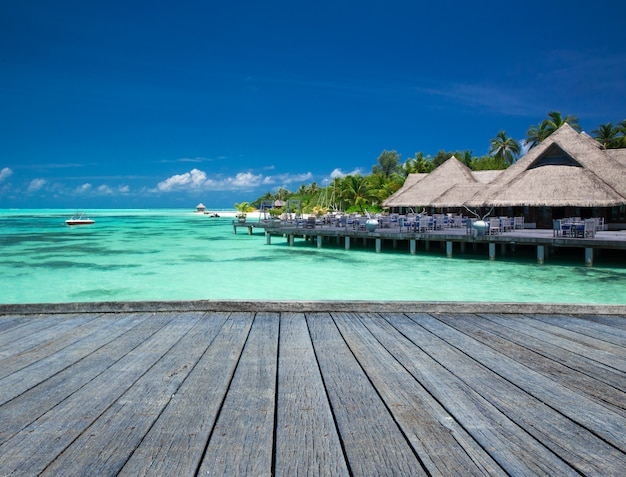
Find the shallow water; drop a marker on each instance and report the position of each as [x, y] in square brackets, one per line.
[179, 255]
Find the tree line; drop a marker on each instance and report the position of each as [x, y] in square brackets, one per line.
[357, 192]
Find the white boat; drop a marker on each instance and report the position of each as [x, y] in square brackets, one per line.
[79, 219]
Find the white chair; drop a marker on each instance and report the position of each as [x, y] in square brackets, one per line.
[494, 226]
[590, 228]
[425, 224]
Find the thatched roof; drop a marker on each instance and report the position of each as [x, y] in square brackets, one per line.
[450, 185]
[485, 177]
[400, 197]
[618, 154]
[566, 169]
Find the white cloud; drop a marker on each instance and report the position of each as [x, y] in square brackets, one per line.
[337, 172]
[83, 188]
[246, 180]
[198, 180]
[123, 189]
[104, 189]
[5, 173]
[193, 179]
[35, 185]
[291, 178]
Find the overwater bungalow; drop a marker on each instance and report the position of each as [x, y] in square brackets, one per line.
[568, 174]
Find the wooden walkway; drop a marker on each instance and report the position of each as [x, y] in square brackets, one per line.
[299, 393]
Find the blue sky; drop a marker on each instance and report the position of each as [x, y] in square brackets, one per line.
[166, 104]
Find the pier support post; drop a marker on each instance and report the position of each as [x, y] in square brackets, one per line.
[462, 247]
[588, 257]
[540, 254]
[319, 241]
[395, 243]
[378, 244]
[448, 249]
[249, 229]
[492, 251]
[503, 249]
[291, 239]
[268, 238]
[347, 243]
[412, 246]
[427, 245]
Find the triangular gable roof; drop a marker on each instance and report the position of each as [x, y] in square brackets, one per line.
[399, 198]
[566, 169]
[425, 191]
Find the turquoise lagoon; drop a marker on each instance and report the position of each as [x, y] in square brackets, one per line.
[135, 255]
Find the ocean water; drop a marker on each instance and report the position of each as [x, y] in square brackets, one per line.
[131, 255]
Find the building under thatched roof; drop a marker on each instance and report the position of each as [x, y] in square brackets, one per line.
[565, 173]
[567, 169]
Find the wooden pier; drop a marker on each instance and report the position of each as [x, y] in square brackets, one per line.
[450, 239]
[312, 390]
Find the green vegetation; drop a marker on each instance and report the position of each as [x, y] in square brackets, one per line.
[243, 208]
[358, 192]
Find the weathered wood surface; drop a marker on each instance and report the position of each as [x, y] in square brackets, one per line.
[294, 393]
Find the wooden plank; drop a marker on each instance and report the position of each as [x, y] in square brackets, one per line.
[8, 322]
[505, 441]
[373, 443]
[586, 412]
[130, 332]
[545, 417]
[242, 441]
[19, 381]
[601, 351]
[425, 423]
[597, 331]
[104, 447]
[176, 442]
[30, 326]
[34, 347]
[559, 349]
[306, 436]
[614, 321]
[520, 348]
[29, 451]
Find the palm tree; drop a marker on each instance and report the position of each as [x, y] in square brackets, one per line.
[608, 135]
[537, 134]
[417, 164]
[622, 129]
[504, 148]
[355, 190]
[555, 121]
[380, 187]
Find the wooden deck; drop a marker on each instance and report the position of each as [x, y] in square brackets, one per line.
[312, 393]
[543, 240]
